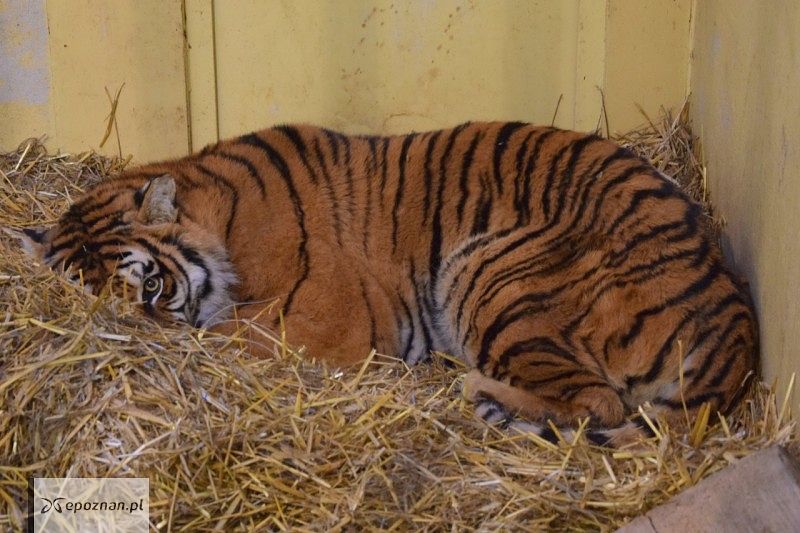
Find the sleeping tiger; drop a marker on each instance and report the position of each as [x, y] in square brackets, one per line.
[573, 278]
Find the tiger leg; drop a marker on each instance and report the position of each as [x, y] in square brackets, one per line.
[337, 316]
[340, 314]
[336, 342]
[506, 304]
[253, 325]
[563, 395]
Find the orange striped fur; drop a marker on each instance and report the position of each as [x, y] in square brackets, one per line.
[573, 277]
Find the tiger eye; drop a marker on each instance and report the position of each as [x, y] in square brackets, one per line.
[150, 285]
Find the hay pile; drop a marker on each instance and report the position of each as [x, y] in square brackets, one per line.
[669, 145]
[88, 387]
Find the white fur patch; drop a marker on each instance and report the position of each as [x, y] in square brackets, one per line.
[216, 306]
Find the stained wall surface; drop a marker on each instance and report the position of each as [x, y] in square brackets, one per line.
[24, 72]
[745, 84]
[197, 70]
[58, 58]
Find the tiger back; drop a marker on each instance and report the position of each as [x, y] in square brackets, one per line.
[573, 278]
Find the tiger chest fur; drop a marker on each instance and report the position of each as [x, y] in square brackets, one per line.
[571, 276]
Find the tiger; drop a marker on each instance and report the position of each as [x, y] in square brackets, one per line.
[573, 279]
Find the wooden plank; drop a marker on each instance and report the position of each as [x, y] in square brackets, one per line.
[383, 66]
[201, 73]
[94, 45]
[760, 493]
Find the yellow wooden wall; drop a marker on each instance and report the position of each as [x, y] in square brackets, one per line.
[195, 70]
[746, 107]
[77, 49]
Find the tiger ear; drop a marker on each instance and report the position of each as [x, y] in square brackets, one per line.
[158, 201]
[33, 240]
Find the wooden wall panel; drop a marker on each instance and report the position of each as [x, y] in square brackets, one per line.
[745, 79]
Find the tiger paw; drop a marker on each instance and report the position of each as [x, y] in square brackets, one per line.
[472, 385]
[492, 411]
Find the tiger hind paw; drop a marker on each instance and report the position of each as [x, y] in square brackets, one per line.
[492, 411]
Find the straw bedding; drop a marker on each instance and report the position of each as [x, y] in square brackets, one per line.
[89, 387]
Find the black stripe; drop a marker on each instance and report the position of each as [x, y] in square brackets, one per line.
[500, 147]
[179, 308]
[55, 248]
[297, 140]
[568, 177]
[373, 155]
[651, 270]
[480, 242]
[568, 392]
[78, 210]
[714, 352]
[702, 337]
[250, 167]
[524, 203]
[384, 167]
[620, 179]
[328, 186]
[531, 345]
[221, 182]
[525, 270]
[367, 213]
[421, 307]
[586, 192]
[491, 260]
[138, 198]
[520, 308]
[334, 144]
[83, 253]
[733, 355]
[643, 426]
[691, 403]
[483, 210]
[658, 361]
[548, 434]
[372, 326]
[126, 264]
[410, 319]
[466, 165]
[436, 230]
[695, 288]
[193, 257]
[351, 200]
[618, 257]
[598, 437]
[115, 223]
[639, 196]
[481, 269]
[400, 187]
[426, 205]
[373, 151]
[535, 233]
[283, 169]
[549, 177]
[723, 304]
[519, 168]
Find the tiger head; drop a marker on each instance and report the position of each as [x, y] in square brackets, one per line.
[175, 268]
